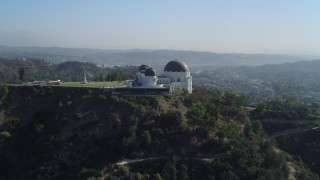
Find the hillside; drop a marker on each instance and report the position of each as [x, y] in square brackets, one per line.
[77, 133]
[40, 70]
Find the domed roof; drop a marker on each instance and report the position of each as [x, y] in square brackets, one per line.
[176, 66]
[143, 68]
[150, 72]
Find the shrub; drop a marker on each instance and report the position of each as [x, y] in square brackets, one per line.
[4, 91]
[157, 177]
[124, 170]
[138, 176]
[87, 172]
[5, 134]
[146, 137]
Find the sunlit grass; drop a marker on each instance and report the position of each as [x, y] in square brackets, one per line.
[93, 84]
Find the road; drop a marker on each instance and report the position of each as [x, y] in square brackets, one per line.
[283, 133]
[304, 121]
[293, 131]
[132, 161]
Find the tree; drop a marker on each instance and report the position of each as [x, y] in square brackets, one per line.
[247, 130]
[169, 170]
[101, 77]
[172, 119]
[146, 137]
[4, 91]
[258, 112]
[128, 142]
[183, 172]
[196, 115]
[230, 99]
[5, 134]
[256, 126]
[157, 177]
[124, 170]
[138, 176]
[22, 72]
[228, 175]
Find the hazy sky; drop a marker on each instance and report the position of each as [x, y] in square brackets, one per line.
[269, 26]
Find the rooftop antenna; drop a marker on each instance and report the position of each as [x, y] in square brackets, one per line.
[84, 79]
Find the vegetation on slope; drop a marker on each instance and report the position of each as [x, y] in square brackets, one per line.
[54, 133]
[305, 146]
[23, 70]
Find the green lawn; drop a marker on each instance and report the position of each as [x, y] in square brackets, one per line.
[93, 84]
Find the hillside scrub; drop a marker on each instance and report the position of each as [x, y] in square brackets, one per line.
[68, 133]
[33, 69]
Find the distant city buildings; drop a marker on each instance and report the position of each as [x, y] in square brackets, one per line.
[268, 92]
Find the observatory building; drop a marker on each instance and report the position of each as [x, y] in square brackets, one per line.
[176, 74]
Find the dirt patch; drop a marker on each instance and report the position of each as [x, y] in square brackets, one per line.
[292, 171]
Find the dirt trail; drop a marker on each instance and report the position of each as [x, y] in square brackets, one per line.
[293, 131]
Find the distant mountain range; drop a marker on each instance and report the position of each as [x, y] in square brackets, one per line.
[150, 57]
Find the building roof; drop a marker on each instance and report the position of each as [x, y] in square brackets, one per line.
[150, 72]
[162, 76]
[176, 66]
[143, 68]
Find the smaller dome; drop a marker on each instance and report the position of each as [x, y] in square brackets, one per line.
[143, 68]
[150, 72]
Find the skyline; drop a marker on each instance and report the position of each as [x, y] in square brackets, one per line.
[248, 26]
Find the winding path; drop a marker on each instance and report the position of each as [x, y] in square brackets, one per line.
[293, 131]
[132, 161]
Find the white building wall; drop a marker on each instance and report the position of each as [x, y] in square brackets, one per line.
[181, 80]
[163, 80]
[140, 77]
[149, 81]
